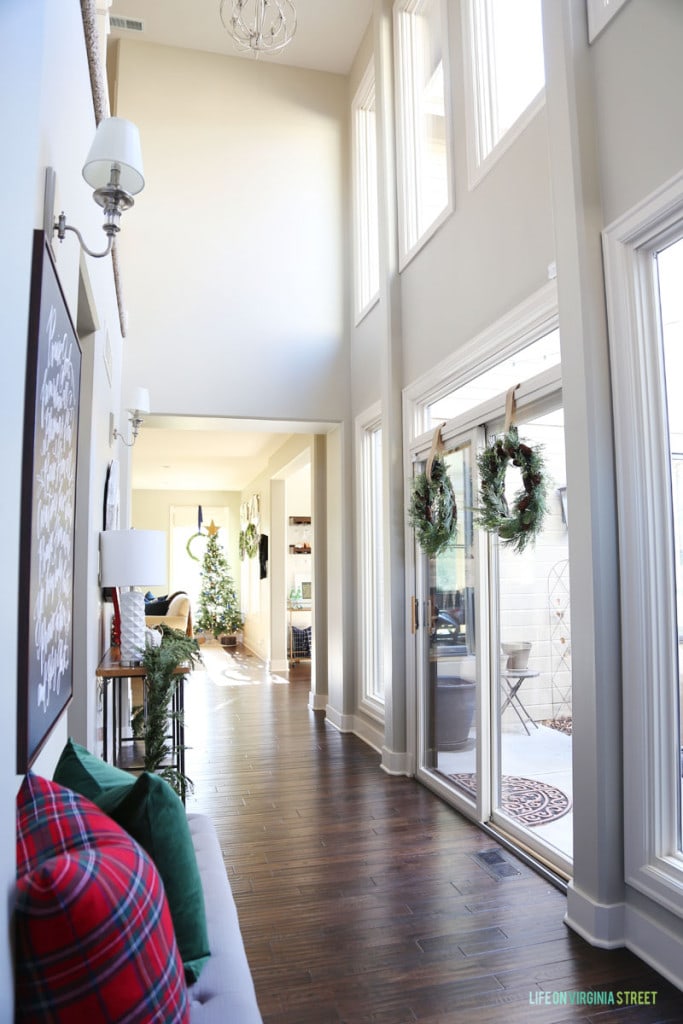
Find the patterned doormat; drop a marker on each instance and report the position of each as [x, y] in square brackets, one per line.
[528, 801]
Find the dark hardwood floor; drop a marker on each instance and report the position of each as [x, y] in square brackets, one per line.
[359, 895]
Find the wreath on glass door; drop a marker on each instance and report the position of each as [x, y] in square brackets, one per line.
[520, 526]
[433, 512]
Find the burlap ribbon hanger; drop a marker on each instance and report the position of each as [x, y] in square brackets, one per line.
[436, 449]
[510, 408]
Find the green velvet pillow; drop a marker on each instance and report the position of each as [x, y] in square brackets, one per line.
[152, 813]
[81, 771]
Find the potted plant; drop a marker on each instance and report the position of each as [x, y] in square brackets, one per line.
[517, 654]
[161, 678]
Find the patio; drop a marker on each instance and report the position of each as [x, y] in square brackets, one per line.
[545, 755]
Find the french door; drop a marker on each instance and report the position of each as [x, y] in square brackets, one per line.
[449, 654]
[493, 644]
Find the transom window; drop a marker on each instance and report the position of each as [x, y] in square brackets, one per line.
[423, 129]
[506, 75]
[365, 209]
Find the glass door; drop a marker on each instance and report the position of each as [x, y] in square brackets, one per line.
[493, 648]
[448, 642]
[531, 665]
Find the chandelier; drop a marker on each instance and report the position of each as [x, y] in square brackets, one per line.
[262, 26]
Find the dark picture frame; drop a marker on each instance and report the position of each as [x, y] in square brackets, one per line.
[48, 509]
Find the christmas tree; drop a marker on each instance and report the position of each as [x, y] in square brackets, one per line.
[219, 610]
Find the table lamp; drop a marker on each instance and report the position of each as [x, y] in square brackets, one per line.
[128, 559]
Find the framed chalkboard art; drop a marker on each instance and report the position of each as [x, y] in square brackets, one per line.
[48, 504]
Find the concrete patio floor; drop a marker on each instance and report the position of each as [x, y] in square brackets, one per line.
[545, 755]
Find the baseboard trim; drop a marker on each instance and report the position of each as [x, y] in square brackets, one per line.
[317, 701]
[659, 946]
[396, 762]
[344, 723]
[601, 924]
[279, 665]
[368, 733]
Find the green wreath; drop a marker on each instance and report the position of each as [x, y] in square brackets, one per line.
[433, 513]
[521, 527]
[188, 548]
[251, 540]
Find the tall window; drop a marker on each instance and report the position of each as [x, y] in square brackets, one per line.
[371, 570]
[669, 271]
[643, 266]
[365, 209]
[506, 74]
[422, 125]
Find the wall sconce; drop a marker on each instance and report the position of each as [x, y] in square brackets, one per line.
[113, 168]
[139, 407]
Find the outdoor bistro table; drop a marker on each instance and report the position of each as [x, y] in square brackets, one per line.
[513, 679]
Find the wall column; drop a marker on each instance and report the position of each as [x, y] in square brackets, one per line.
[596, 893]
[394, 751]
[277, 563]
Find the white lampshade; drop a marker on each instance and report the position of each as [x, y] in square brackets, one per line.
[132, 558]
[139, 400]
[116, 141]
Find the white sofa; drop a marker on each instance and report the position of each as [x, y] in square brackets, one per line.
[224, 991]
[177, 613]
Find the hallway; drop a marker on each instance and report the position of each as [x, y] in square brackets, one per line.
[360, 895]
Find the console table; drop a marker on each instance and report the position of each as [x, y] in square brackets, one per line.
[112, 673]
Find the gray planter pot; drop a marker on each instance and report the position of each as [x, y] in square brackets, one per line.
[454, 712]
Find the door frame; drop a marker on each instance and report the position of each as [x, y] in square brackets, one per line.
[539, 393]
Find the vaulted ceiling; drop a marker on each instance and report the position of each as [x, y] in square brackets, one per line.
[327, 36]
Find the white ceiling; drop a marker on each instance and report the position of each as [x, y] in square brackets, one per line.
[327, 37]
[192, 453]
[207, 454]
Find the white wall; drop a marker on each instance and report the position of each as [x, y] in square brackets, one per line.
[21, 54]
[637, 71]
[49, 120]
[239, 236]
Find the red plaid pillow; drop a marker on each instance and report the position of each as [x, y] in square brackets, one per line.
[94, 936]
[52, 819]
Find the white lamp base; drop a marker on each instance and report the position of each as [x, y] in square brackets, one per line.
[132, 626]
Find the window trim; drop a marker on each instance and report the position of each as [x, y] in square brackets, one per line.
[653, 862]
[405, 114]
[477, 118]
[373, 704]
[365, 200]
[519, 327]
